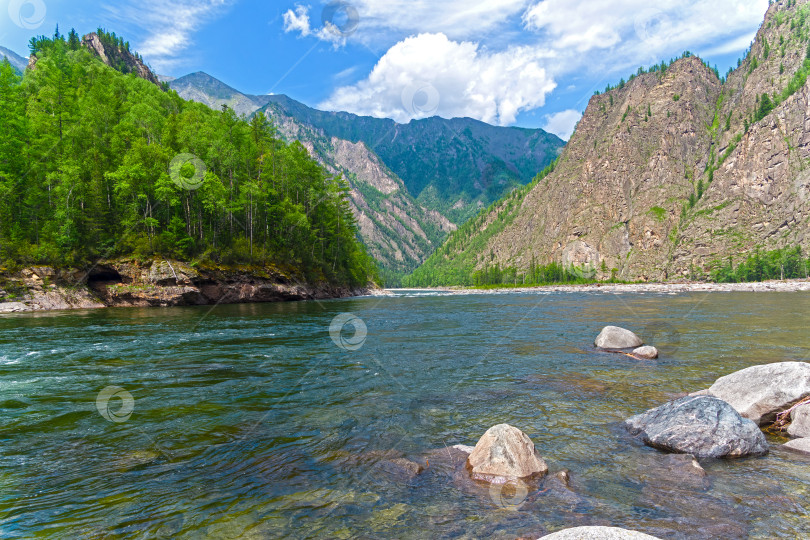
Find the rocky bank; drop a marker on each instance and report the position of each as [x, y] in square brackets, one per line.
[156, 283]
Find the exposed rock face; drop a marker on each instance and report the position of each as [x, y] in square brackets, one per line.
[597, 533]
[620, 195]
[154, 283]
[613, 337]
[504, 454]
[134, 64]
[761, 392]
[705, 427]
[800, 422]
[651, 353]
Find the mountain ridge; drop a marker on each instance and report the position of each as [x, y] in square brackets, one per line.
[400, 229]
[666, 176]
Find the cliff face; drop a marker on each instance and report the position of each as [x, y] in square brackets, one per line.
[119, 58]
[676, 171]
[760, 195]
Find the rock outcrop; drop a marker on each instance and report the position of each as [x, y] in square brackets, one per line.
[761, 392]
[613, 337]
[504, 454]
[705, 427]
[129, 283]
[119, 57]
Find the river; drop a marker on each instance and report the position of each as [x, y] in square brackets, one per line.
[251, 421]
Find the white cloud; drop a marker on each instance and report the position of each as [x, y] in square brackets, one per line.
[297, 21]
[170, 25]
[635, 31]
[562, 124]
[430, 74]
[380, 20]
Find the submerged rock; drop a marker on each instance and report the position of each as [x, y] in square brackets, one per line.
[800, 422]
[613, 337]
[648, 352]
[761, 392]
[503, 454]
[705, 427]
[597, 533]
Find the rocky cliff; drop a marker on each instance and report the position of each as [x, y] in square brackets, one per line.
[160, 282]
[672, 172]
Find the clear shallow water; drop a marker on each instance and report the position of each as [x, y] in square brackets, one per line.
[249, 422]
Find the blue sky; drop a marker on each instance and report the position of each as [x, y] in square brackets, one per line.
[531, 63]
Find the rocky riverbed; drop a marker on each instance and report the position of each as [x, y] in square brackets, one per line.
[156, 283]
[801, 285]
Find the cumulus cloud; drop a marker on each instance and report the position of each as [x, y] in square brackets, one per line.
[562, 124]
[430, 74]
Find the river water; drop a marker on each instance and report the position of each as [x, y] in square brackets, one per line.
[252, 422]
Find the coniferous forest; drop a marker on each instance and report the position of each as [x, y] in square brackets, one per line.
[95, 164]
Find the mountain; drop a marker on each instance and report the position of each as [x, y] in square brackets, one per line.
[669, 175]
[452, 168]
[18, 62]
[204, 88]
[398, 231]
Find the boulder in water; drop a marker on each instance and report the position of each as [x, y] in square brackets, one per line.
[613, 337]
[800, 422]
[705, 427]
[648, 352]
[799, 445]
[761, 392]
[597, 533]
[504, 454]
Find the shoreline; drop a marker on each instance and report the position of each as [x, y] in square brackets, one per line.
[157, 283]
[798, 285]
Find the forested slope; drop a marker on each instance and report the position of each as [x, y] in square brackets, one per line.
[85, 154]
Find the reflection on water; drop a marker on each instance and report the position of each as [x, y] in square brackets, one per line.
[249, 422]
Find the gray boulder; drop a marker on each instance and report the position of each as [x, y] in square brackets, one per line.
[705, 427]
[597, 533]
[799, 422]
[651, 353]
[504, 454]
[760, 392]
[613, 337]
[799, 445]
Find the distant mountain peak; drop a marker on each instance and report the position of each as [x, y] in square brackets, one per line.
[17, 61]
